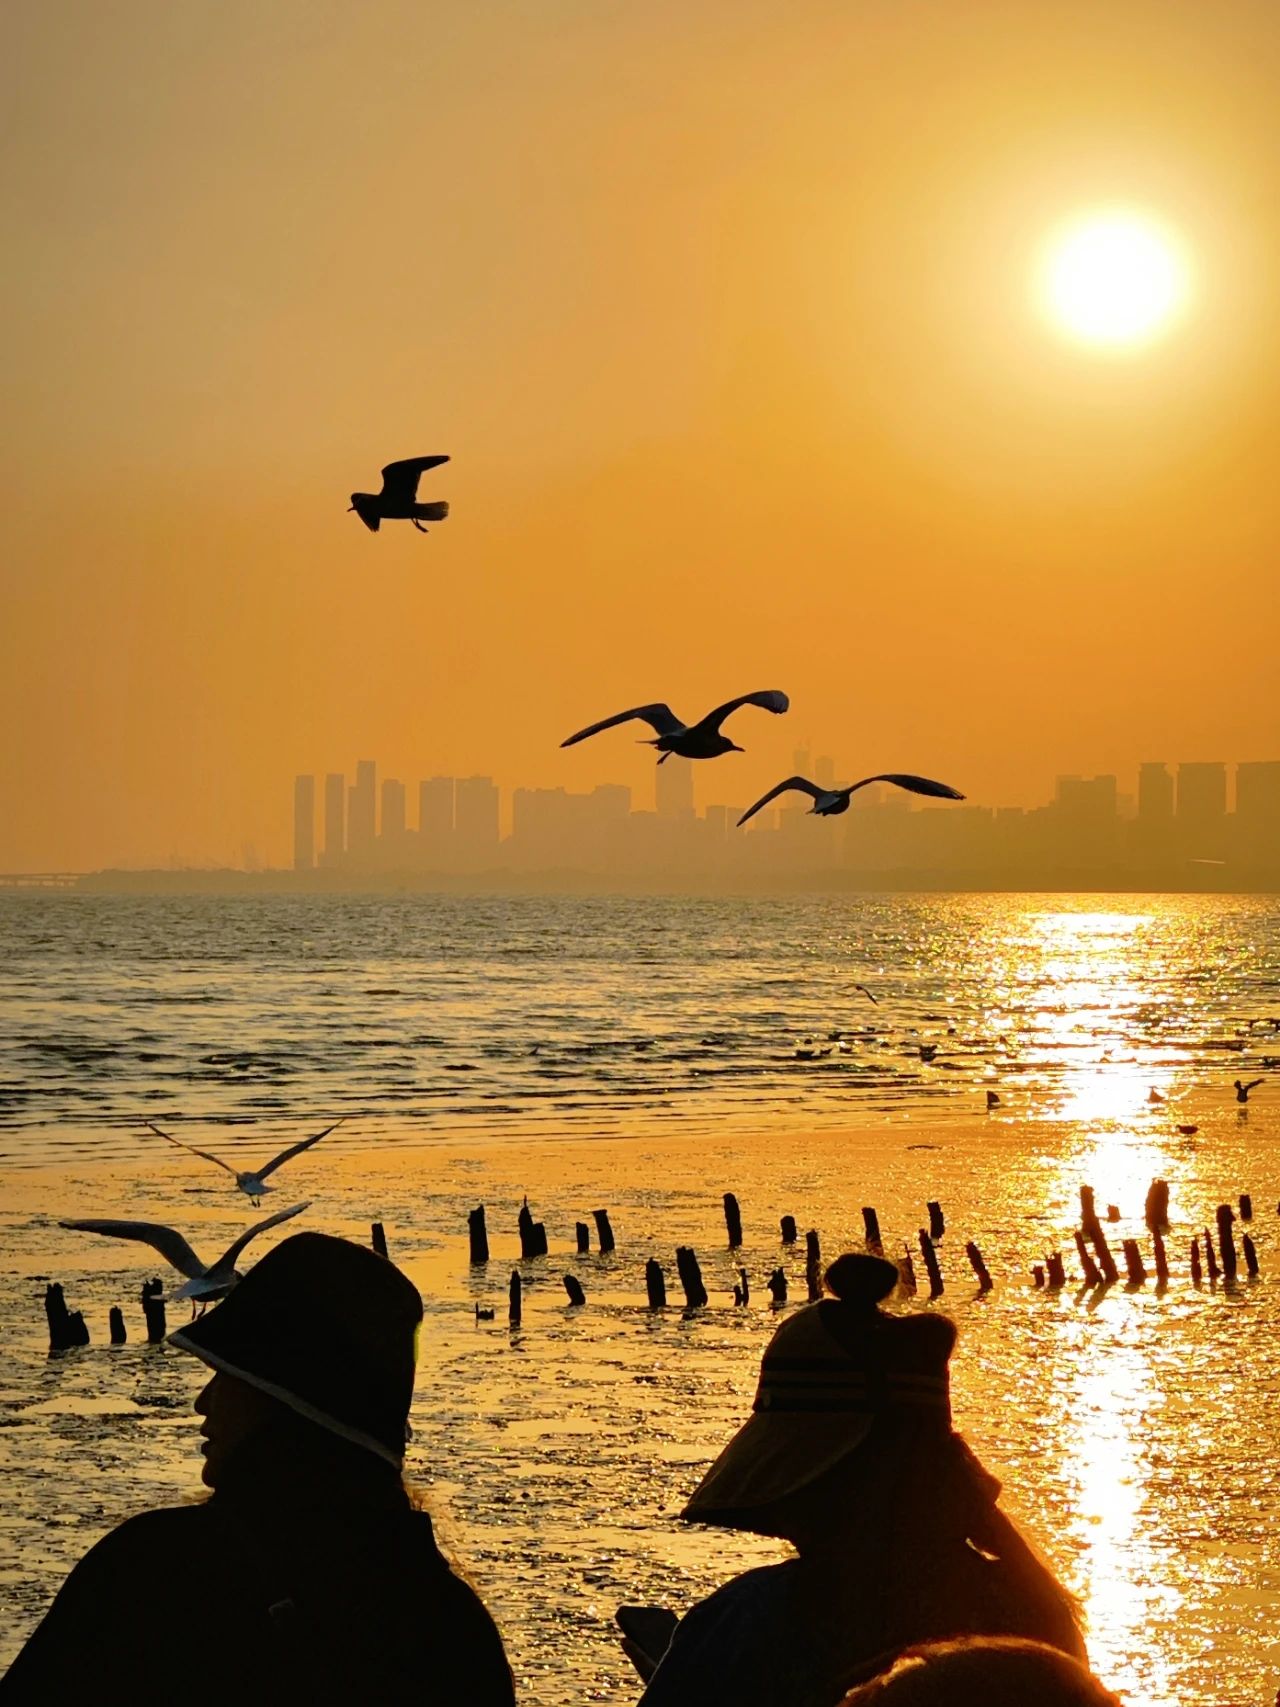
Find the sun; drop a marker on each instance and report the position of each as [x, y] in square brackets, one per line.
[1115, 279]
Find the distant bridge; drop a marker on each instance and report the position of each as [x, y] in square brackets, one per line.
[39, 879]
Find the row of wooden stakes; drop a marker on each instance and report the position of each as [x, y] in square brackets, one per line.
[67, 1328]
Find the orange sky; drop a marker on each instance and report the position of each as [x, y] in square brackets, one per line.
[724, 312]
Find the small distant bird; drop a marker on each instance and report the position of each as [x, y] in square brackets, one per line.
[204, 1282]
[1153, 1095]
[690, 740]
[863, 990]
[1242, 1090]
[398, 499]
[928, 1051]
[1188, 1131]
[830, 802]
[251, 1182]
[993, 1101]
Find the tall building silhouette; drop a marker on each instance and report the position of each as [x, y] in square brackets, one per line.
[1202, 810]
[304, 823]
[673, 788]
[1258, 810]
[362, 810]
[824, 773]
[475, 820]
[335, 818]
[1155, 793]
[393, 818]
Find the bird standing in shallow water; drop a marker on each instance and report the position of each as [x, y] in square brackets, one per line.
[398, 499]
[830, 802]
[701, 740]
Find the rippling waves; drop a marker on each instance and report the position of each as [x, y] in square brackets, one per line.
[438, 1015]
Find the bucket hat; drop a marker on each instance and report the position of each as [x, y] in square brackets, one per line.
[326, 1327]
[829, 1372]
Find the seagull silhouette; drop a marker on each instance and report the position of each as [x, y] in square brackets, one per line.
[249, 1180]
[205, 1281]
[830, 802]
[398, 499]
[1242, 1090]
[690, 740]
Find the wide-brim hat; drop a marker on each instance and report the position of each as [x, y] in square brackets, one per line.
[326, 1327]
[829, 1373]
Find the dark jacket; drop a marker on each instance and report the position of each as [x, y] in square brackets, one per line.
[233, 1602]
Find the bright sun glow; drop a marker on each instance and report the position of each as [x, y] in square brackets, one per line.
[1115, 279]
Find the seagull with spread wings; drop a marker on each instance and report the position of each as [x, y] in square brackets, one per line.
[398, 499]
[701, 740]
[250, 1181]
[830, 802]
[205, 1281]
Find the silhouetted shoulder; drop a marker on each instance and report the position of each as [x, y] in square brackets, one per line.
[734, 1645]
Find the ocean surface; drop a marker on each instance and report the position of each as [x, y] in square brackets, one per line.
[648, 1056]
[424, 1017]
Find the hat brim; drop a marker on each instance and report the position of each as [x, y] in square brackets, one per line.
[771, 1456]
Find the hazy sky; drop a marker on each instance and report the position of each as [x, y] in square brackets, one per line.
[724, 310]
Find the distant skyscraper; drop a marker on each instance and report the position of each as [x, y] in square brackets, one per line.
[801, 758]
[1155, 794]
[673, 788]
[304, 823]
[435, 812]
[825, 773]
[475, 819]
[392, 810]
[1258, 812]
[335, 818]
[362, 809]
[1202, 809]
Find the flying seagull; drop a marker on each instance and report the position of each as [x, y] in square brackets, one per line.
[1242, 1090]
[690, 740]
[830, 802]
[398, 499]
[204, 1282]
[250, 1182]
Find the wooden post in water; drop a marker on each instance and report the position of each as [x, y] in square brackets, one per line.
[931, 1264]
[1092, 1274]
[1057, 1274]
[58, 1318]
[115, 1325]
[378, 1239]
[871, 1229]
[1210, 1256]
[788, 1229]
[1037, 1274]
[655, 1284]
[478, 1234]
[732, 1220]
[583, 1235]
[574, 1288]
[514, 1296]
[778, 1286]
[937, 1222]
[1250, 1255]
[533, 1234]
[1162, 1260]
[1197, 1273]
[813, 1265]
[978, 1266]
[153, 1310]
[1226, 1215]
[1096, 1237]
[907, 1269]
[1156, 1211]
[695, 1293]
[1133, 1262]
[1246, 1206]
[744, 1286]
[604, 1232]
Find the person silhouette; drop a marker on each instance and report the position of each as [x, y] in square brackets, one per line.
[307, 1576]
[1242, 1090]
[983, 1671]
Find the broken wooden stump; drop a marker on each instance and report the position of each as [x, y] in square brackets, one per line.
[695, 1293]
[1096, 1237]
[871, 1229]
[1246, 1206]
[937, 1222]
[907, 1269]
[484, 1312]
[582, 1233]
[115, 1325]
[1162, 1260]
[931, 1264]
[743, 1286]
[58, 1317]
[514, 1298]
[378, 1239]
[1250, 1255]
[778, 1286]
[978, 1266]
[604, 1232]
[655, 1284]
[478, 1234]
[533, 1235]
[732, 1220]
[1210, 1255]
[788, 1229]
[573, 1286]
[813, 1265]
[1092, 1273]
[1055, 1272]
[1113, 1212]
[1197, 1273]
[1156, 1208]
[1226, 1242]
[1133, 1263]
[153, 1310]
